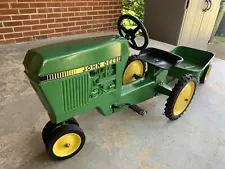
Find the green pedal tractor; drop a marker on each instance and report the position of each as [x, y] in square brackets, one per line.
[73, 77]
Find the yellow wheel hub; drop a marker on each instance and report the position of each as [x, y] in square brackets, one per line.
[135, 67]
[66, 145]
[208, 73]
[184, 98]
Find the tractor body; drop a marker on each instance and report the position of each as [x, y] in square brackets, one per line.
[76, 76]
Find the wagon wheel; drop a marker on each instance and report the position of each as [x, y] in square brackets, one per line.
[206, 74]
[135, 67]
[49, 127]
[65, 141]
[180, 98]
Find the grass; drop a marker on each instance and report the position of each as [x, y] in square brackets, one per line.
[219, 39]
[127, 23]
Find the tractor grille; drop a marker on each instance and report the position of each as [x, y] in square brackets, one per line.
[75, 92]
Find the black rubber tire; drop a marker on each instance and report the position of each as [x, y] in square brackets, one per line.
[72, 121]
[169, 109]
[133, 58]
[202, 79]
[51, 126]
[59, 132]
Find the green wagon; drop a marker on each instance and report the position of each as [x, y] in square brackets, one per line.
[73, 77]
[196, 62]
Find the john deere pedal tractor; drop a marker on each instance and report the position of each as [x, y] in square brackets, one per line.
[73, 77]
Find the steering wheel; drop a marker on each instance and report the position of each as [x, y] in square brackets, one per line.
[131, 33]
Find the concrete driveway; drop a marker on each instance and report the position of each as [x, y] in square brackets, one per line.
[218, 48]
[124, 140]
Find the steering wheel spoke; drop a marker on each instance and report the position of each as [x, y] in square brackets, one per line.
[136, 30]
[134, 43]
[124, 29]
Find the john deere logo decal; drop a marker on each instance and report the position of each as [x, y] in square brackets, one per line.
[80, 70]
[101, 64]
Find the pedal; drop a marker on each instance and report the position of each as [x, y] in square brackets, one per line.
[138, 110]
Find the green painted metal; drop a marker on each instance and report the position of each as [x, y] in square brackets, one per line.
[69, 96]
[142, 89]
[195, 62]
[73, 77]
[73, 54]
[163, 88]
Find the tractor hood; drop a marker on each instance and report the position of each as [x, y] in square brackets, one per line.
[73, 54]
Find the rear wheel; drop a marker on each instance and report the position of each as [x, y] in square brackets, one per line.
[65, 141]
[206, 74]
[180, 98]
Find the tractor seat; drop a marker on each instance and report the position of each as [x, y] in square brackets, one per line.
[159, 58]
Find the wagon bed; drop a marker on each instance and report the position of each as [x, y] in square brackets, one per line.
[194, 61]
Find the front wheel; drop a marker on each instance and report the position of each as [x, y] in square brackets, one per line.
[65, 142]
[180, 98]
[49, 127]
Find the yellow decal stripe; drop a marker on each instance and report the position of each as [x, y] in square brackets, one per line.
[83, 69]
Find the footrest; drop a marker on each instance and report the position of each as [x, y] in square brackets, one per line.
[138, 110]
